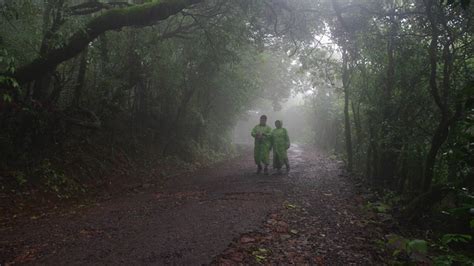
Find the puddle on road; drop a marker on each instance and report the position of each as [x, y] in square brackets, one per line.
[295, 155]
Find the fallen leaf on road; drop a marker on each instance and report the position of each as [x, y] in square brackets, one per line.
[27, 256]
[293, 231]
[247, 239]
[237, 257]
[290, 206]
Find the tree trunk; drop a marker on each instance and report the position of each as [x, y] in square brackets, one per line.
[104, 53]
[388, 155]
[447, 119]
[374, 159]
[42, 83]
[357, 124]
[403, 171]
[424, 201]
[179, 116]
[368, 162]
[81, 78]
[440, 136]
[442, 101]
[347, 121]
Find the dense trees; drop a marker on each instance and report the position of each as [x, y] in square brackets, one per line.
[391, 81]
[405, 70]
[174, 88]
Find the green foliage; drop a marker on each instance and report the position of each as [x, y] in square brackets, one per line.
[455, 238]
[461, 213]
[20, 178]
[261, 255]
[452, 257]
[397, 243]
[7, 65]
[379, 207]
[322, 101]
[404, 249]
[417, 246]
[7, 98]
[464, 3]
[415, 249]
[447, 260]
[56, 182]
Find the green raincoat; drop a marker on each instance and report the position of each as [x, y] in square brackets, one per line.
[263, 144]
[280, 143]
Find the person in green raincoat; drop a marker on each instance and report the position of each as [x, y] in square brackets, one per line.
[280, 144]
[262, 134]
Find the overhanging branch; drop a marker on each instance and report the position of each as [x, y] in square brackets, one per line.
[139, 15]
[94, 6]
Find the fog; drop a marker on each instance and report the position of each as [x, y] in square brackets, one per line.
[293, 114]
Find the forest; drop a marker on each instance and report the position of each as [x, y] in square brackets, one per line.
[99, 97]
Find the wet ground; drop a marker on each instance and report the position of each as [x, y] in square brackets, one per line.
[225, 214]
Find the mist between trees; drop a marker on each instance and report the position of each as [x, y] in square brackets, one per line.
[387, 85]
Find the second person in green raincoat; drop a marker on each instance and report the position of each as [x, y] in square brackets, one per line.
[280, 145]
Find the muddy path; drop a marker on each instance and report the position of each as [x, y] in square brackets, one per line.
[225, 214]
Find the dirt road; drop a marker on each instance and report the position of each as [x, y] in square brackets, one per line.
[225, 214]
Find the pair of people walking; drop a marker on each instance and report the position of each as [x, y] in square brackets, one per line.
[267, 139]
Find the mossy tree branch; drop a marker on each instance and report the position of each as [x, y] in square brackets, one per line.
[140, 15]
